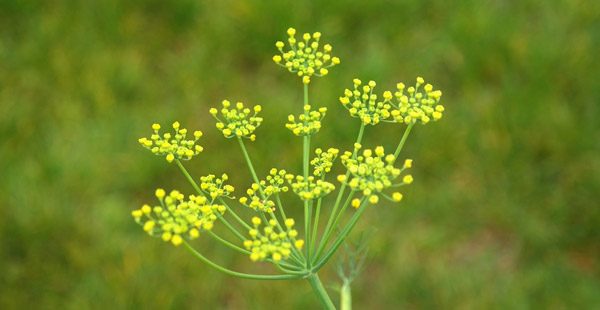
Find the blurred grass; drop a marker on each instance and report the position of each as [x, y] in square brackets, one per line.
[503, 213]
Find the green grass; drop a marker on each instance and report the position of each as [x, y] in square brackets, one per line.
[503, 213]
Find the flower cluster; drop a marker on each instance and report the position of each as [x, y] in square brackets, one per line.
[275, 180]
[215, 187]
[303, 57]
[177, 218]
[174, 146]
[309, 188]
[416, 106]
[362, 103]
[270, 243]
[258, 203]
[373, 172]
[237, 121]
[308, 123]
[324, 161]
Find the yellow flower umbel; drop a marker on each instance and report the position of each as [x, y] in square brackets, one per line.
[362, 103]
[271, 243]
[308, 123]
[215, 187]
[304, 58]
[310, 188]
[237, 121]
[173, 146]
[414, 106]
[177, 218]
[374, 172]
[324, 161]
[259, 194]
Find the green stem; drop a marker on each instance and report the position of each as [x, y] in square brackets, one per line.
[189, 177]
[316, 226]
[305, 166]
[404, 137]
[231, 228]
[238, 274]
[346, 296]
[337, 221]
[340, 239]
[329, 228]
[249, 162]
[297, 254]
[307, 217]
[320, 291]
[235, 215]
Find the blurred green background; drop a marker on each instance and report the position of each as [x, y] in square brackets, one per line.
[503, 213]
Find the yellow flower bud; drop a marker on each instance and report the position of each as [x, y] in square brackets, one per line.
[256, 221]
[299, 244]
[160, 193]
[149, 225]
[408, 163]
[155, 126]
[176, 240]
[407, 179]
[374, 199]
[289, 223]
[355, 203]
[397, 196]
[291, 31]
[136, 213]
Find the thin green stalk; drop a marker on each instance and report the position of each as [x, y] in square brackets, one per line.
[305, 166]
[328, 228]
[189, 177]
[238, 274]
[404, 137]
[316, 226]
[297, 253]
[320, 291]
[281, 268]
[340, 239]
[249, 162]
[227, 243]
[336, 222]
[307, 217]
[230, 211]
[346, 296]
[231, 228]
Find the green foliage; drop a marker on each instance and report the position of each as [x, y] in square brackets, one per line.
[513, 223]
